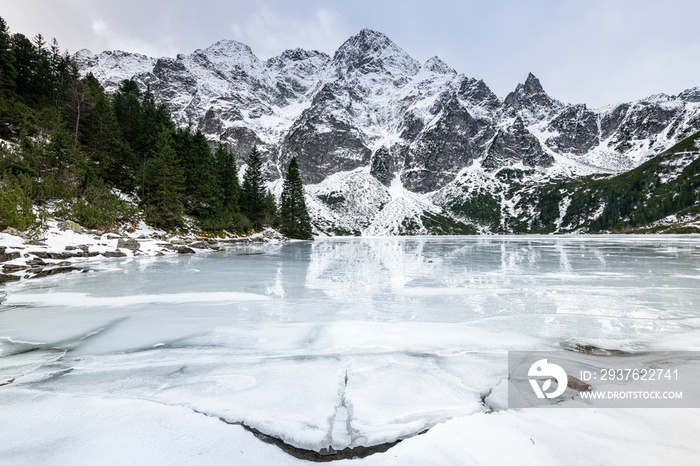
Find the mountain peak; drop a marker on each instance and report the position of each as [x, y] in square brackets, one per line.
[366, 42]
[300, 54]
[227, 47]
[436, 65]
[530, 95]
[372, 51]
[532, 85]
[229, 56]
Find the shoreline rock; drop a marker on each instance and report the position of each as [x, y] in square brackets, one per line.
[66, 247]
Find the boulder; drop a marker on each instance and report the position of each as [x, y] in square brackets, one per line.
[8, 278]
[128, 243]
[61, 256]
[8, 256]
[114, 254]
[11, 268]
[55, 271]
[185, 250]
[576, 384]
[12, 231]
[36, 242]
[70, 225]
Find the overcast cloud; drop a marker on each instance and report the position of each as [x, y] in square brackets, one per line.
[595, 52]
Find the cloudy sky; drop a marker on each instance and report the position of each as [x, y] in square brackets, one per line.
[594, 51]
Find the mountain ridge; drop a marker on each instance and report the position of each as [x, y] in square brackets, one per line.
[373, 111]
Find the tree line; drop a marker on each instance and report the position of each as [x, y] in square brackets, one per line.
[102, 159]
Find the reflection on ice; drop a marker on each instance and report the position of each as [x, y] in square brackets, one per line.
[343, 342]
[84, 300]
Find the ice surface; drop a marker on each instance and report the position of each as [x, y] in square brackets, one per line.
[341, 343]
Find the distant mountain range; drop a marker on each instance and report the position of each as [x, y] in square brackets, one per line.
[387, 145]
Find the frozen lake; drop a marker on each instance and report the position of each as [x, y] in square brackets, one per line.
[342, 343]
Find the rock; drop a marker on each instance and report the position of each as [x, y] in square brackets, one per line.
[513, 145]
[8, 278]
[55, 271]
[70, 225]
[576, 384]
[60, 255]
[36, 242]
[14, 232]
[114, 254]
[11, 268]
[440, 151]
[185, 250]
[41, 254]
[71, 248]
[128, 243]
[178, 242]
[34, 262]
[2, 249]
[84, 247]
[382, 166]
[199, 245]
[8, 256]
[64, 264]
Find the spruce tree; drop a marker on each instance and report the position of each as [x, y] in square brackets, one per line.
[164, 184]
[198, 165]
[7, 59]
[253, 190]
[228, 188]
[25, 60]
[295, 221]
[269, 209]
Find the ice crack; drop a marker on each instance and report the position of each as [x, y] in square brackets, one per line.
[340, 437]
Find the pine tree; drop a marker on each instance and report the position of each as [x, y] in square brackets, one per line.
[198, 165]
[164, 184]
[103, 142]
[295, 221]
[269, 209]
[7, 59]
[253, 191]
[25, 60]
[228, 187]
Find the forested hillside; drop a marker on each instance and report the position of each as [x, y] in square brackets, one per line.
[71, 151]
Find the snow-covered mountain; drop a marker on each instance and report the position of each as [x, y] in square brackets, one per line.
[388, 145]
